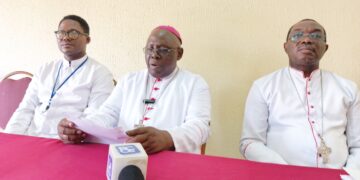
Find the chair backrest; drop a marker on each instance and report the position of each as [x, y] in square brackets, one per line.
[11, 93]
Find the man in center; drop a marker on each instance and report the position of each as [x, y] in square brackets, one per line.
[162, 107]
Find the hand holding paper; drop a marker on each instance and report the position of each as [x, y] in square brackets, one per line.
[99, 134]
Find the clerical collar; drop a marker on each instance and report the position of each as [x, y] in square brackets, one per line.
[166, 77]
[74, 63]
[301, 74]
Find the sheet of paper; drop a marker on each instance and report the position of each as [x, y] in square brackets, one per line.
[354, 173]
[99, 134]
[345, 177]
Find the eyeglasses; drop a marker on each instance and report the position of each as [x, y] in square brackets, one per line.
[161, 51]
[72, 34]
[316, 36]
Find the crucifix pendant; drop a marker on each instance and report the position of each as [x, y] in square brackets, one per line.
[324, 151]
[138, 125]
[141, 124]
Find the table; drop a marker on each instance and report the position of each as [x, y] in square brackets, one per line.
[25, 157]
[33, 158]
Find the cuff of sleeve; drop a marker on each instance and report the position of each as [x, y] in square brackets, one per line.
[261, 153]
[181, 142]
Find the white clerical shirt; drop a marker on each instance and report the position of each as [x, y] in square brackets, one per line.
[182, 107]
[80, 95]
[285, 114]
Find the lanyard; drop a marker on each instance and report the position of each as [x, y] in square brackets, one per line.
[54, 89]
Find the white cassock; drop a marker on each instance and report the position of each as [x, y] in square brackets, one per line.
[285, 114]
[182, 107]
[84, 92]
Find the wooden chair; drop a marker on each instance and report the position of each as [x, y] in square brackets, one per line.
[12, 92]
[203, 148]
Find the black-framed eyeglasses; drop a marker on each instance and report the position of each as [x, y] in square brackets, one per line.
[72, 34]
[161, 51]
[297, 36]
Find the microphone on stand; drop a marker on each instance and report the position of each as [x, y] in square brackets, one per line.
[126, 162]
[131, 172]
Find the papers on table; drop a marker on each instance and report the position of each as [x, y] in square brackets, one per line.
[354, 174]
[346, 177]
[100, 134]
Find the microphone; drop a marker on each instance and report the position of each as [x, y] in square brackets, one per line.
[126, 161]
[149, 101]
[131, 173]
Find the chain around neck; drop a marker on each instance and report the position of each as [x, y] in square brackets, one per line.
[303, 103]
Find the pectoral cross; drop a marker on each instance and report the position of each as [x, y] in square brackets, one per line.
[141, 124]
[324, 151]
[138, 125]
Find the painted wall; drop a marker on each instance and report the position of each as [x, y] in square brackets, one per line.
[230, 43]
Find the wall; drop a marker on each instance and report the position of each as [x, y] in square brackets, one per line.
[230, 43]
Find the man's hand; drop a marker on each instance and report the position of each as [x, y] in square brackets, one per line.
[69, 134]
[153, 140]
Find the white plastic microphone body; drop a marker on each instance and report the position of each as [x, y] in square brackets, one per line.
[122, 155]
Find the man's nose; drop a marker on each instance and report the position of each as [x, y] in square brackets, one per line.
[66, 38]
[306, 40]
[154, 54]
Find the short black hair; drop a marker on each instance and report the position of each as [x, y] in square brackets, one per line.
[288, 34]
[84, 25]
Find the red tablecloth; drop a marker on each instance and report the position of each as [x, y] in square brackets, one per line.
[24, 157]
[31, 158]
[170, 165]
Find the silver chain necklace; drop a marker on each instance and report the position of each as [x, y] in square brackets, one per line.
[323, 150]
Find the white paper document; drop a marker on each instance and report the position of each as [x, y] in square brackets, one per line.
[99, 134]
[354, 174]
[345, 177]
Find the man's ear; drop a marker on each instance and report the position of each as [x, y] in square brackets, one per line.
[88, 39]
[285, 46]
[180, 53]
